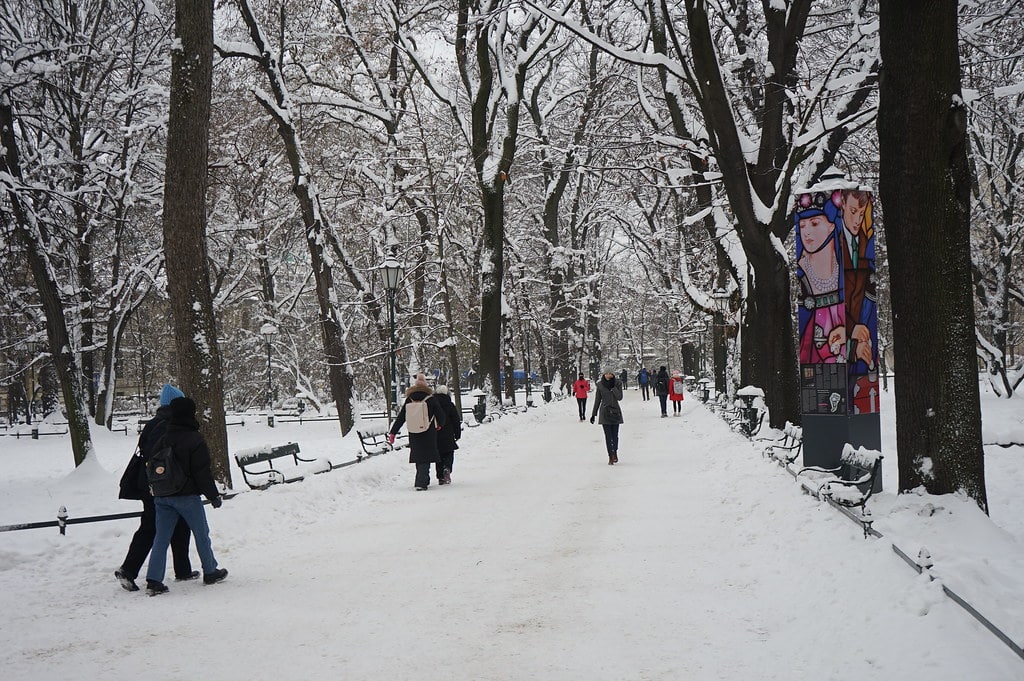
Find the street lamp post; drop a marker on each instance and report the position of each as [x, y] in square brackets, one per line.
[268, 331]
[392, 271]
[721, 298]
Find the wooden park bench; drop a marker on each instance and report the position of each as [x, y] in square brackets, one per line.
[787, 450]
[265, 477]
[850, 484]
[374, 441]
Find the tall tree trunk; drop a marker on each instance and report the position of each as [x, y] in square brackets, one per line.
[27, 229]
[925, 188]
[184, 225]
[315, 222]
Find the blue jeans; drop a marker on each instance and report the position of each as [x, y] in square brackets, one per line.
[611, 437]
[168, 510]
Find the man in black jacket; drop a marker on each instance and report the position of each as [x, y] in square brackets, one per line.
[193, 457]
[447, 436]
[135, 486]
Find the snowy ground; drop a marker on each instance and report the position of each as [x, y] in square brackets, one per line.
[691, 559]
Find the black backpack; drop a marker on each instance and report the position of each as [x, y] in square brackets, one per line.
[164, 472]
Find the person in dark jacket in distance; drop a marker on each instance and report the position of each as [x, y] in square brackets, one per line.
[643, 379]
[609, 413]
[193, 456]
[135, 486]
[661, 390]
[422, 446]
[447, 437]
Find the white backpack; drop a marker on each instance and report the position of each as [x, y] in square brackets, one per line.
[677, 387]
[417, 415]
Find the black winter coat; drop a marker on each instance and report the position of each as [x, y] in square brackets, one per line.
[661, 383]
[133, 482]
[194, 456]
[452, 429]
[422, 446]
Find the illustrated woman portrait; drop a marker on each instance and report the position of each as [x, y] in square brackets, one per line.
[822, 320]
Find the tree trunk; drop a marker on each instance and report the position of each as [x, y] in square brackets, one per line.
[769, 351]
[184, 226]
[315, 222]
[493, 266]
[26, 228]
[924, 186]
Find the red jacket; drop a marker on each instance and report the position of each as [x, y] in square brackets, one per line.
[672, 394]
[580, 388]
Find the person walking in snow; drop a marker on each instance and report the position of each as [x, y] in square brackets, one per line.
[193, 457]
[675, 393]
[661, 390]
[134, 485]
[425, 418]
[581, 388]
[643, 379]
[623, 375]
[609, 413]
[447, 437]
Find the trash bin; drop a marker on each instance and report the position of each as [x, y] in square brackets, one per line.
[270, 420]
[480, 408]
[547, 392]
[748, 394]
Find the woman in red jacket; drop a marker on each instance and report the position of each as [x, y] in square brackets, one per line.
[675, 393]
[580, 389]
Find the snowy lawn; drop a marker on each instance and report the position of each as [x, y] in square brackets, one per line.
[693, 558]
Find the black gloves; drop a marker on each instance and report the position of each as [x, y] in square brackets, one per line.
[216, 502]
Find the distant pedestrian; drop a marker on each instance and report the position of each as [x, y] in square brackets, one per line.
[193, 457]
[623, 375]
[661, 390]
[425, 418]
[609, 413]
[675, 393]
[581, 388]
[447, 437]
[134, 485]
[643, 379]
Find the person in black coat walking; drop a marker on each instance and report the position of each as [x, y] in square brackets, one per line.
[661, 390]
[422, 446]
[193, 457]
[447, 437]
[135, 486]
[609, 413]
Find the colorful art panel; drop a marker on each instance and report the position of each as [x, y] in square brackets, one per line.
[856, 221]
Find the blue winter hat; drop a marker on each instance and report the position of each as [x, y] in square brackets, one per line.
[169, 393]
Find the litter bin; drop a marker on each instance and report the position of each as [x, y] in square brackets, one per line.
[547, 392]
[748, 394]
[270, 420]
[480, 408]
[705, 391]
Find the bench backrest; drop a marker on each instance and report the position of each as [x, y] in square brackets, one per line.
[860, 463]
[255, 456]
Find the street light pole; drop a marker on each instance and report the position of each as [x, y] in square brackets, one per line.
[392, 271]
[268, 331]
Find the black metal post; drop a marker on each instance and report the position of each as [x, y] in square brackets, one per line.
[394, 362]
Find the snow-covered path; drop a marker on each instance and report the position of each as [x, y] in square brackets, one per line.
[691, 559]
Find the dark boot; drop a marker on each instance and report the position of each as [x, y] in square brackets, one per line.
[615, 457]
[611, 459]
